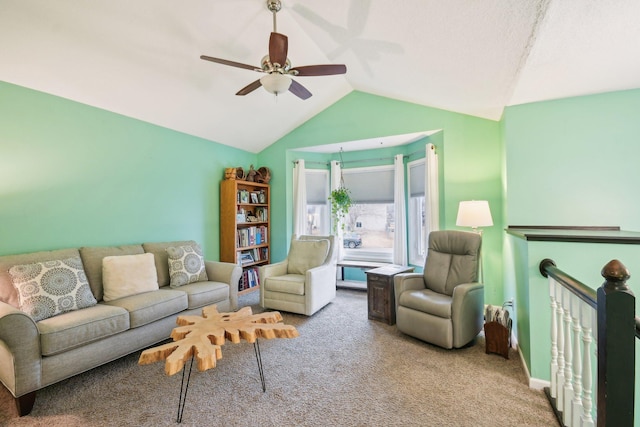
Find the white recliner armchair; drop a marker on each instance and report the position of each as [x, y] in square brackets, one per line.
[444, 305]
[305, 281]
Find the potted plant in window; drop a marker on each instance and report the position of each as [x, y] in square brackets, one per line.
[340, 204]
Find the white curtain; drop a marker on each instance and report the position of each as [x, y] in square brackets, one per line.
[336, 174]
[400, 233]
[431, 193]
[299, 199]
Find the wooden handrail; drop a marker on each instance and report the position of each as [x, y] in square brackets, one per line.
[579, 289]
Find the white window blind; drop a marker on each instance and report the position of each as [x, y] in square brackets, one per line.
[370, 185]
[317, 187]
[416, 179]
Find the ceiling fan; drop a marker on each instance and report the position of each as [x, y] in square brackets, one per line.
[277, 66]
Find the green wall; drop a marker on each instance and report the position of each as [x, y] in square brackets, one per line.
[568, 162]
[574, 161]
[73, 175]
[471, 150]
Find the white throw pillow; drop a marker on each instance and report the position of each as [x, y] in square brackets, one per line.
[50, 288]
[306, 254]
[186, 265]
[127, 275]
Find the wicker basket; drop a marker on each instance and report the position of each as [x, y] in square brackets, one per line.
[264, 175]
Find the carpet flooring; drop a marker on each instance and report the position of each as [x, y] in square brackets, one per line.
[343, 370]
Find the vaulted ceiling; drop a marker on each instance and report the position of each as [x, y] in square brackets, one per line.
[142, 58]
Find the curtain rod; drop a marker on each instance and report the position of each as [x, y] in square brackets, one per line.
[361, 160]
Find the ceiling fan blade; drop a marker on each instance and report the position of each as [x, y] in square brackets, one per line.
[320, 70]
[249, 88]
[278, 47]
[298, 90]
[231, 63]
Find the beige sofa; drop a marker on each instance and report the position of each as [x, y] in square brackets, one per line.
[35, 354]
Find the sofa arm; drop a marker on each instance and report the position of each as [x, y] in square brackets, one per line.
[407, 282]
[270, 270]
[467, 311]
[20, 360]
[320, 286]
[228, 273]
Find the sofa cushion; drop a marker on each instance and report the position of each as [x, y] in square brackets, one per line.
[8, 292]
[159, 251]
[288, 284]
[49, 288]
[186, 265]
[92, 260]
[201, 294]
[77, 328]
[150, 306]
[127, 275]
[306, 254]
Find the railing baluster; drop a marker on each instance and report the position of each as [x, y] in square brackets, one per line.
[568, 359]
[576, 404]
[560, 376]
[554, 339]
[587, 315]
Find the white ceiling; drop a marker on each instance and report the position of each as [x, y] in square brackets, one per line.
[141, 58]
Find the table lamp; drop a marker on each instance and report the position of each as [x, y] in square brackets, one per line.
[474, 214]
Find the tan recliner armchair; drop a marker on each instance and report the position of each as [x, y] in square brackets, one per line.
[444, 305]
[305, 281]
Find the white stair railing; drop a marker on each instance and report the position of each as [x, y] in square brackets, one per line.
[592, 331]
[572, 321]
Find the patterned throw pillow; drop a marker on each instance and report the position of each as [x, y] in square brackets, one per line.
[186, 265]
[49, 288]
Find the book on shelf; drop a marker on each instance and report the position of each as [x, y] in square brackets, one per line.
[249, 279]
[253, 255]
[251, 236]
[246, 257]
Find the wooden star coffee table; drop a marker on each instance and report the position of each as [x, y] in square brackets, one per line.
[201, 337]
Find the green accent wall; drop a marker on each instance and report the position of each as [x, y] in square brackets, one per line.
[73, 175]
[574, 161]
[470, 147]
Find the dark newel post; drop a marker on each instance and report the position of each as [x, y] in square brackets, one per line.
[616, 347]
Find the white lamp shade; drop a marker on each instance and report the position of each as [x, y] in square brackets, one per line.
[276, 83]
[474, 213]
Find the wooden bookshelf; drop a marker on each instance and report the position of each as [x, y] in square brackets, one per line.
[245, 232]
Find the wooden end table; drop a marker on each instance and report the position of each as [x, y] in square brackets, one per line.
[380, 293]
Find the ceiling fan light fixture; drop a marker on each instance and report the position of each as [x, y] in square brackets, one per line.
[276, 83]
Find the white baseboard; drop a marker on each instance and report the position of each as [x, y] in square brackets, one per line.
[534, 383]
